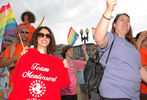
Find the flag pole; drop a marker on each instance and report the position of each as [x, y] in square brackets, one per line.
[21, 40]
[41, 22]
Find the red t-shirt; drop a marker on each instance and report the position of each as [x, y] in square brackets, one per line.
[39, 77]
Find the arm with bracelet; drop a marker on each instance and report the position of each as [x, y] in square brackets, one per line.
[101, 37]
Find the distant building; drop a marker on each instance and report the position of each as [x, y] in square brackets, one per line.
[59, 49]
[78, 52]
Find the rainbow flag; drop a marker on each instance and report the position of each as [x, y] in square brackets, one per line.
[8, 23]
[41, 22]
[72, 36]
[93, 33]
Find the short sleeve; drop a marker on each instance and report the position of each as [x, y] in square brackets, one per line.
[64, 77]
[6, 53]
[79, 64]
[110, 36]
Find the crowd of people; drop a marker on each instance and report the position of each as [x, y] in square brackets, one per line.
[30, 70]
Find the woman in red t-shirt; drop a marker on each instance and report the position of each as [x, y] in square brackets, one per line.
[39, 75]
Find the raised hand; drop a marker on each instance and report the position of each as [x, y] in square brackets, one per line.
[84, 47]
[143, 36]
[141, 39]
[111, 4]
[85, 53]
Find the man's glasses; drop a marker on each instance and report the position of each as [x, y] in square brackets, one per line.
[24, 32]
[41, 35]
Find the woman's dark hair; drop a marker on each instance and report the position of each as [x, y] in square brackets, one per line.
[31, 16]
[64, 50]
[129, 36]
[51, 48]
[137, 36]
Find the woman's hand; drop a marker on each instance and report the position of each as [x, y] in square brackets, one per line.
[85, 53]
[84, 47]
[65, 63]
[111, 4]
[24, 51]
[143, 36]
[141, 39]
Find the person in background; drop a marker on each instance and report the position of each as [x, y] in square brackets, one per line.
[121, 79]
[70, 92]
[39, 74]
[4, 73]
[27, 18]
[141, 40]
[82, 82]
[9, 56]
[95, 52]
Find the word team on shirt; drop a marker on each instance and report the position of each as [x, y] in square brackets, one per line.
[37, 67]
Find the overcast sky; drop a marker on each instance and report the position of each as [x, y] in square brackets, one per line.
[60, 15]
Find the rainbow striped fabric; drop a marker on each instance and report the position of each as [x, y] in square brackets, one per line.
[93, 33]
[8, 23]
[72, 36]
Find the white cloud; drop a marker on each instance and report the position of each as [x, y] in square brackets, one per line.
[60, 15]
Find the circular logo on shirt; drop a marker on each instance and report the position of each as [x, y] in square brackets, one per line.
[37, 88]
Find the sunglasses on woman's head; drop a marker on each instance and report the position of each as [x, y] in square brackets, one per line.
[24, 32]
[41, 35]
